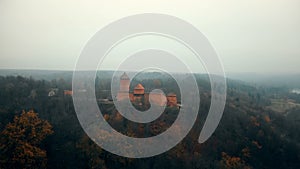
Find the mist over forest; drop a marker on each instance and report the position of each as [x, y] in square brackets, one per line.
[39, 127]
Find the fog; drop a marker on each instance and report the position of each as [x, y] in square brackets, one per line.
[249, 36]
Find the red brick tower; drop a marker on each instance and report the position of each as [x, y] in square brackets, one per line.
[124, 88]
[124, 83]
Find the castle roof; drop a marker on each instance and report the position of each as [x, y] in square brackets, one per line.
[139, 86]
[124, 76]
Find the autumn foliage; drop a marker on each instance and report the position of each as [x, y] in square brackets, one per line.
[21, 140]
[231, 162]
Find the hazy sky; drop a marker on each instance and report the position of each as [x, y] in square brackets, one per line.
[249, 36]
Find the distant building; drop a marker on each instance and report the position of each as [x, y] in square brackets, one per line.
[171, 100]
[53, 92]
[139, 95]
[68, 92]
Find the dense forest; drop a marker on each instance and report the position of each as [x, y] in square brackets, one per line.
[39, 127]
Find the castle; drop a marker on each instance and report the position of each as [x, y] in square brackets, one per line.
[138, 95]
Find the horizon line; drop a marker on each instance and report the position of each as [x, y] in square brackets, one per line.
[69, 70]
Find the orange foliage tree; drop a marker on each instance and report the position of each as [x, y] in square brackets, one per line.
[230, 162]
[20, 141]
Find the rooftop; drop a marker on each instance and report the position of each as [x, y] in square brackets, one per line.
[124, 76]
[139, 86]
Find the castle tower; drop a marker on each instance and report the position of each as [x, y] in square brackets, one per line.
[124, 88]
[124, 83]
[138, 94]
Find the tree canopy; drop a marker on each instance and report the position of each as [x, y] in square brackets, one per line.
[21, 140]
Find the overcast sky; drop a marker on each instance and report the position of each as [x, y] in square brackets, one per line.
[249, 36]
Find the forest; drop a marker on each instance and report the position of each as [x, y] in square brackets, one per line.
[39, 127]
